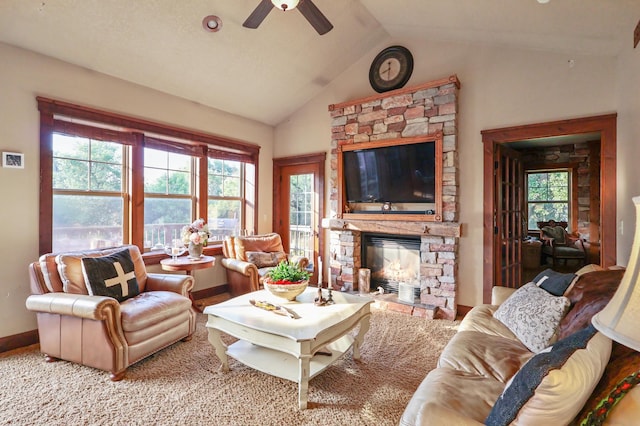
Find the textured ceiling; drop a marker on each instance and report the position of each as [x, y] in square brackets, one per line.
[268, 73]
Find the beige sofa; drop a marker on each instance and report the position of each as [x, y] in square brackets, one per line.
[479, 362]
[99, 331]
[248, 258]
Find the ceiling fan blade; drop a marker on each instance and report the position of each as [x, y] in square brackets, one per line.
[314, 16]
[258, 15]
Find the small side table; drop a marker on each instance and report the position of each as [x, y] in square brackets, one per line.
[187, 264]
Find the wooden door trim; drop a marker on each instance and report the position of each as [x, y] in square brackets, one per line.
[606, 125]
[299, 160]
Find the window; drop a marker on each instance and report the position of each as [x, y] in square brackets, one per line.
[225, 191]
[88, 198]
[548, 196]
[108, 180]
[169, 195]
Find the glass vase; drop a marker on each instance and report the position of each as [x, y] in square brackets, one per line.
[195, 250]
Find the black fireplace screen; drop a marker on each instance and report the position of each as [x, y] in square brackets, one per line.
[392, 260]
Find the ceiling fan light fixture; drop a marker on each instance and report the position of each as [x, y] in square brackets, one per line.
[285, 4]
[212, 23]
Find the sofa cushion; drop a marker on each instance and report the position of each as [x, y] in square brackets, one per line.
[533, 315]
[111, 275]
[554, 282]
[480, 318]
[468, 395]
[150, 308]
[483, 354]
[552, 386]
[264, 259]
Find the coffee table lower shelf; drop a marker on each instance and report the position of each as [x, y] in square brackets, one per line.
[284, 365]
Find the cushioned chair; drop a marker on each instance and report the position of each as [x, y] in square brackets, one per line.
[136, 319]
[561, 245]
[248, 259]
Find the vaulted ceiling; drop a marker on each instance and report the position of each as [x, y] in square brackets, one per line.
[268, 73]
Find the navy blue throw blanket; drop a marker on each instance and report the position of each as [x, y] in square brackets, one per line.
[525, 382]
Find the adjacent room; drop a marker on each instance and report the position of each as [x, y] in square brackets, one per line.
[320, 212]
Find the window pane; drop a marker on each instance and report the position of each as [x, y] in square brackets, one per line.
[164, 219]
[166, 173]
[81, 222]
[70, 147]
[224, 218]
[155, 180]
[106, 152]
[70, 174]
[106, 177]
[224, 178]
[179, 182]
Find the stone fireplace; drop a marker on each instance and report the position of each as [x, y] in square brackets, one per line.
[422, 110]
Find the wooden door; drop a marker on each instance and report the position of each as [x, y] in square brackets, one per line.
[509, 216]
[298, 206]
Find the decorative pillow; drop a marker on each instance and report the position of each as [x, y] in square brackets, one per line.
[552, 387]
[623, 363]
[112, 276]
[533, 315]
[554, 282]
[263, 259]
[555, 232]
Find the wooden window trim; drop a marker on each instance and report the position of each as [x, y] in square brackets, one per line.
[55, 117]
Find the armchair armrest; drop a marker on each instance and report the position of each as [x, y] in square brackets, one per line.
[181, 284]
[77, 305]
[500, 294]
[301, 261]
[240, 266]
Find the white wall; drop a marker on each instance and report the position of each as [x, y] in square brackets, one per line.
[25, 75]
[628, 179]
[499, 87]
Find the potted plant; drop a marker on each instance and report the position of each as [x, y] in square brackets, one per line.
[287, 280]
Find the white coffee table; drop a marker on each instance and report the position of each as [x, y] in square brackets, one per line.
[285, 347]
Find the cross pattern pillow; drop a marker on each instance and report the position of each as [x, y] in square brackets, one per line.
[533, 315]
[111, 275]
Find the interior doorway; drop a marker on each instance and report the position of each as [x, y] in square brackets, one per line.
[298, 205]
[494, 139]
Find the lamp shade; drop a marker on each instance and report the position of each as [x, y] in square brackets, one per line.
[285, 4]
[620, 319]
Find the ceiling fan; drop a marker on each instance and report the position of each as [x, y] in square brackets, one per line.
[306, 7]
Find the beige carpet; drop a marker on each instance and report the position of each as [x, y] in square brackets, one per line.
[181, 385]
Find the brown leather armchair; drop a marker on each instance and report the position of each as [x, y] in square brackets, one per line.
[99, 331]
[248, 259]
[561, 245]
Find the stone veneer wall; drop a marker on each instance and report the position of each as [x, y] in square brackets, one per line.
[420, 110]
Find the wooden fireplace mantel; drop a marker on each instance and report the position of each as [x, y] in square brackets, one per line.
[440, 229]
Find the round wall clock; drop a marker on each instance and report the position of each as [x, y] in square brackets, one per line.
[391, 69]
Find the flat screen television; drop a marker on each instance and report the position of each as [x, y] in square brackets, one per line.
[391, 174]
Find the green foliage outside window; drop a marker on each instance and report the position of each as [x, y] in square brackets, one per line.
[547, 196]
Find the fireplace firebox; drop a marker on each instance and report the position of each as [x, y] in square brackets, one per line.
[394, 262]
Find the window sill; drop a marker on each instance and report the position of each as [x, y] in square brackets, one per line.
[154, 257]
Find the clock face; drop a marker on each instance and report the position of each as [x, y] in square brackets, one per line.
[391, 69]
